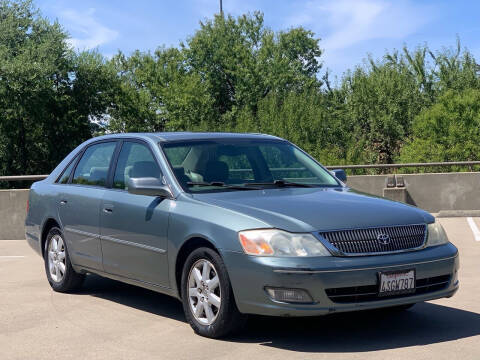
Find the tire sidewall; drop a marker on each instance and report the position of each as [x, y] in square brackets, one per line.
[217, 328]
[58, 286]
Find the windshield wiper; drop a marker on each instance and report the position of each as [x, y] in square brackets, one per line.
[222, 184]
[281, 183]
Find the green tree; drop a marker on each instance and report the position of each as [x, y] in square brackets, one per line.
[305, 118]
[447, 131]
[158, 93]
[380, 104]
[219, 74]
[436, 72]
[233, 74]
[48, 93]
[242, 61]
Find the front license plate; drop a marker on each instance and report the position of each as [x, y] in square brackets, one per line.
[397, 282]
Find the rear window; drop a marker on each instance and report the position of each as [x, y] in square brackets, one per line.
[239, 167]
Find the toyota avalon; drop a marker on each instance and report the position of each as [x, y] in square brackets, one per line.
[231, 225]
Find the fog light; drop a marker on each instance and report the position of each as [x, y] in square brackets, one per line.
[289, 295]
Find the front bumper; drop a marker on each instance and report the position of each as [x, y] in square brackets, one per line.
[250, 274]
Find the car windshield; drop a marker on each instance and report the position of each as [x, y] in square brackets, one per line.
[228, 164]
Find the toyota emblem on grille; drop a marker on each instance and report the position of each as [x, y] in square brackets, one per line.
[383, 239]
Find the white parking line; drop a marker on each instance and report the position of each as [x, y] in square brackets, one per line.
[474, 227]
[11, 256]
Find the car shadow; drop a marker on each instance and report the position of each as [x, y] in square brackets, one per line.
[132, 296]
[425, 323]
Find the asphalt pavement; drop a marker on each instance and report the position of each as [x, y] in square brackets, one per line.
[111, 320]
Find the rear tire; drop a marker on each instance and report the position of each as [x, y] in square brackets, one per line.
[60, 273]
[207, 296]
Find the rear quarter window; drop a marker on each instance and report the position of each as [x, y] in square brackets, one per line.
[63, 179]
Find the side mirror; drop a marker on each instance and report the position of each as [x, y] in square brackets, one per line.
[148, 186]
[340, 174]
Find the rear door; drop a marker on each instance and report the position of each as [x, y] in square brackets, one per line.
[79, 204]
[134, 227]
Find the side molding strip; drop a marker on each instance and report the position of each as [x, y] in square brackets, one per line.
[80, 232]
[129, 243]
[119, 241]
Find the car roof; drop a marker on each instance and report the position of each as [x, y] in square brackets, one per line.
[185, 135]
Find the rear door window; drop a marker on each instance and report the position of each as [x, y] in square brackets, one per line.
[92, 169]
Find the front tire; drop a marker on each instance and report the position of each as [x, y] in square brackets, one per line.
[207, 295]
[60, 273]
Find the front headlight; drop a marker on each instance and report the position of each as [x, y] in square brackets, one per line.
[436, 235]
[273, 242]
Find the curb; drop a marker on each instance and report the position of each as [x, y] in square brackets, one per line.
[458, 213]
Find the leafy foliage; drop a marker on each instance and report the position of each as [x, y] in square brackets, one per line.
[48, 93]
[447, 131]
[233, 74]
[158, 93]
[382, 103]
[224, 69]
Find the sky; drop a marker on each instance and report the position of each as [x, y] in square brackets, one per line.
[349, 30]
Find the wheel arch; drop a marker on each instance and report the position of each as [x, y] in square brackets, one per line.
[47, 225]
[187, 247]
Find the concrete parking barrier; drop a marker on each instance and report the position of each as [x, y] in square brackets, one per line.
[447, 193]
[13, 206]
[433, 192]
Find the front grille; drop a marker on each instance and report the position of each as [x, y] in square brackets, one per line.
[366, 241]
[370, 292]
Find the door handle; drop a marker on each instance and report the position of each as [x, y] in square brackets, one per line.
[107, 208]
[63, 202]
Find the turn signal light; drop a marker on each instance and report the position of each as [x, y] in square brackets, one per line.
[255, 246]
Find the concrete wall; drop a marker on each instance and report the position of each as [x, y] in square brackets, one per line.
[13, 204]
[432, 192]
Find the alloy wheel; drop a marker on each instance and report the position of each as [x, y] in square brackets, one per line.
[56, 258]
[204, 292]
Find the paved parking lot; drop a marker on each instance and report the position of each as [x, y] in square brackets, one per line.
[110, 320]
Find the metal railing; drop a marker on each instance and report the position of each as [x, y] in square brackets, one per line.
[396, 166]
[23, 178]
[330, 167]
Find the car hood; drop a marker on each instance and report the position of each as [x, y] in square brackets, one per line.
[312, 209]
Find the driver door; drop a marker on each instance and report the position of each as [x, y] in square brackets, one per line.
[134, 227]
